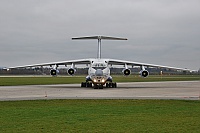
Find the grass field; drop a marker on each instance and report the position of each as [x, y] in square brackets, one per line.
[100, 116]
[34, 80]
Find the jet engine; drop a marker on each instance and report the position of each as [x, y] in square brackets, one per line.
[126, 72]
[54, 72]
[144, 73]
[71, 71]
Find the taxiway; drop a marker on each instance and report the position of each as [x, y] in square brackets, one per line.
[189, 90]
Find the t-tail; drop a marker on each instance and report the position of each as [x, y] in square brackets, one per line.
[99, 38]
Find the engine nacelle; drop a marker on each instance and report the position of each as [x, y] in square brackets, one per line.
[126, 72]
[144, 73]
[71, 71]
[54, 72]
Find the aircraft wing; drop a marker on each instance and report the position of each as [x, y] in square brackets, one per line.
[130, 63]
[69, 62]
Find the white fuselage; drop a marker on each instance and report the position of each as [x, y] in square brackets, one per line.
[99, 71]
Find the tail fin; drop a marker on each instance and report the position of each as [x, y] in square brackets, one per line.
[99, 41]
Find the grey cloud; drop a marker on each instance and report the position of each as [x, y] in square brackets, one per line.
[164, 31]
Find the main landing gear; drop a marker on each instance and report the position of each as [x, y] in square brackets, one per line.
[111, 85]
[86, 84]
[99, 86]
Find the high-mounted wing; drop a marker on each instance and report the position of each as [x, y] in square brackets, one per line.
[122, 62]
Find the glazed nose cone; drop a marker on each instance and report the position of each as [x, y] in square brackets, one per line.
[99, 72]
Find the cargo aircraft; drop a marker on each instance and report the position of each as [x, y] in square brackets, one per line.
[99, 68]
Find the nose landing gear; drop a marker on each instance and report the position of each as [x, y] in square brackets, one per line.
[98, 86]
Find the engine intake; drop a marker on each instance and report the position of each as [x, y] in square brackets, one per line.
[144, 73]
[71, 71]
[126, 72]
[54, 72]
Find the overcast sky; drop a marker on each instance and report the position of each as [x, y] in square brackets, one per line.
[163, 32]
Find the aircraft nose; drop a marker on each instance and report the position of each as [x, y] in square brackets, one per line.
[99, 72]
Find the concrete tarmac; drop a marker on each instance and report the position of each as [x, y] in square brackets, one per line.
[188, 90]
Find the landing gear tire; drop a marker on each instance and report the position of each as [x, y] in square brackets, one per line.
[96, 86]
[107, 85]
[111, 85]
[86, 84]
[114, 85]
[100, 86]
[83, 84]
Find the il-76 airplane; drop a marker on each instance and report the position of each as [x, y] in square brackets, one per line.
[99, 68]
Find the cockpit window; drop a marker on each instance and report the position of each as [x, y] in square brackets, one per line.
[99, 66]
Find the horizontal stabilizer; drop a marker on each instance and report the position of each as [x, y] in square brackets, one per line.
[99, 37]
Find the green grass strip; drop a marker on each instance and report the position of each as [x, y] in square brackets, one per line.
[100, 116]
[12, 81]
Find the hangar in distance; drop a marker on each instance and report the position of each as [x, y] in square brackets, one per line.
[99, 68]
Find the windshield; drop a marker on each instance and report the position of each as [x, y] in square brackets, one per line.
[99, 68]
[99, 65]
